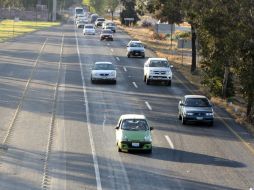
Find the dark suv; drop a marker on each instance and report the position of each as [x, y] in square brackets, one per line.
[195, 108]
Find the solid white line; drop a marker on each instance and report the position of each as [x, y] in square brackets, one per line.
[169, 142]
[111, 50]
[118, 59]
[103, 123]
[95, 161]
[148, 106]
[136, 86]
[124, 68]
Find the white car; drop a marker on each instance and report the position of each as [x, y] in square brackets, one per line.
[89, 29]
[157, 69]
[99, 21]
[135, 48]
[103, 71]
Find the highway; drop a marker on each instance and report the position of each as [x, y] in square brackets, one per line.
[57, 130]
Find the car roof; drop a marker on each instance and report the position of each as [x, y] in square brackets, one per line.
[194, 96]
[135, 41]
[101, 62]
[157, 58]
[132, 116]
[106, 30]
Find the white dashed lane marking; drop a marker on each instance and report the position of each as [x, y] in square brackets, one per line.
[117, 58]
[124, 68]
[169, 142]
[134, 84]
[148, 106]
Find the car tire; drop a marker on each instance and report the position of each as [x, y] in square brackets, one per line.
[144, 78]
[114, 82]
[143, 56]
[128, 55]
[169, 83]
[119, 149]
[179, 116]
[183, 120]
[149, 151]
[211, 123]
[147, 81]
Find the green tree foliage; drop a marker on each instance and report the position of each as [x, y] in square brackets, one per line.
[97, 6]
[111, 6]
[129, 11]
[245, 65]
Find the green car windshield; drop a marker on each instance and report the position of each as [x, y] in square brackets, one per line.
[134, 125]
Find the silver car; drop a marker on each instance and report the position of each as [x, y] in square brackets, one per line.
[89, 29]
[103, 71]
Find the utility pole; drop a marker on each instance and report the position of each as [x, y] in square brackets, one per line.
[54, 10]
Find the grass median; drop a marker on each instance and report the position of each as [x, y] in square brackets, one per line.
[10, 28]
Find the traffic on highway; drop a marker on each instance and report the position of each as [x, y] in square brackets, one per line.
[86, 106]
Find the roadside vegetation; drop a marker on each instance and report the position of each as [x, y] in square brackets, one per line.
[10, 28]
[224, 32]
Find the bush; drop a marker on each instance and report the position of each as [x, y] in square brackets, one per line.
[159, 36]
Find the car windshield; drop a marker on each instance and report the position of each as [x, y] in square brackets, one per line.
[106, 31]
[104, 66]
[158, 63]
[136, 45]
[88, 26]
[134, 125]
[100, 19]
[197, 102]
[110, 24]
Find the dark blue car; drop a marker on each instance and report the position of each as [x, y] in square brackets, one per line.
[195, 108]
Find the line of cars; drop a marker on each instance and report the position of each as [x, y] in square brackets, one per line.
[133, 131]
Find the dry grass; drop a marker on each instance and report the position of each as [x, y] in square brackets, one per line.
[182, 63]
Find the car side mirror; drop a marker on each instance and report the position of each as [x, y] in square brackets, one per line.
[127, 46]
[151, 128]
[117, 127]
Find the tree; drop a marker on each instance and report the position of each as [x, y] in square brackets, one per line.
[245, 66]
[112, 5]
[129, 11]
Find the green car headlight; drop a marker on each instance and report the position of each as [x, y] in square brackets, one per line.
[148, 138]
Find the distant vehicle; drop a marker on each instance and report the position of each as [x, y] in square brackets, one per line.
[79, 11]
[133, 133]
[81, 18]
[195, 108]
[80, 24]
[99, 21]
[93, 18]
[109, 25]
[157, 69]
[89, 29]
[103, 71]
[106, 34]
[135, 48]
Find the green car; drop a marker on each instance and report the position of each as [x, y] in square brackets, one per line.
[133, 133]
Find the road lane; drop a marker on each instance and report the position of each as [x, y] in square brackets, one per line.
[201, 157]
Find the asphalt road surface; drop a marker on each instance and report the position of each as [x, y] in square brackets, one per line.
[57, 129]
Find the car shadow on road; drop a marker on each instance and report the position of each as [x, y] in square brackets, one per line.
[175, 155]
